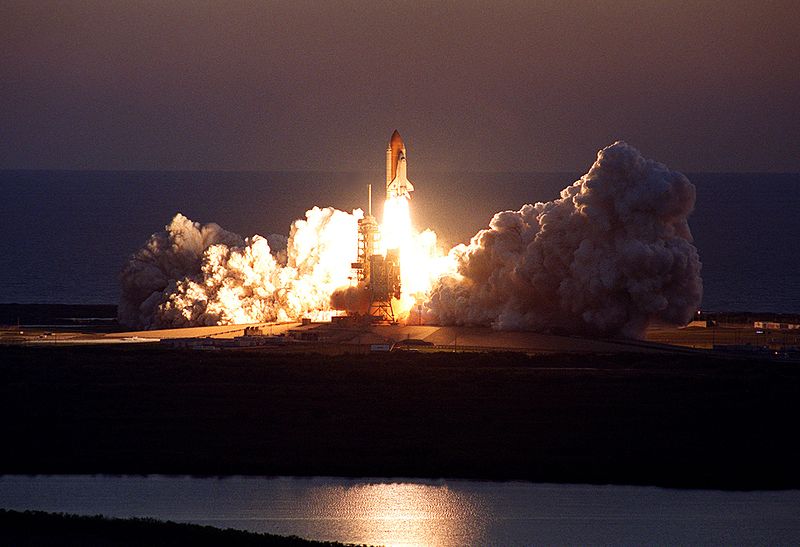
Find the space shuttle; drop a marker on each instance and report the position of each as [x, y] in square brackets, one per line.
[397, 183]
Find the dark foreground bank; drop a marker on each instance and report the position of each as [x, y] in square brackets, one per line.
[59, 314]
[21, 528]
[679, 421]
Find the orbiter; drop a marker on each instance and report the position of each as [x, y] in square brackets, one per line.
[397, 183]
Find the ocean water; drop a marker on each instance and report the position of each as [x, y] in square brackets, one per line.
[64, 235]
[422, 512]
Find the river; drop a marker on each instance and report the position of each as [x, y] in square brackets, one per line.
[423, 512]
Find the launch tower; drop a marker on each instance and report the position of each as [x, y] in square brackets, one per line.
[377, 273]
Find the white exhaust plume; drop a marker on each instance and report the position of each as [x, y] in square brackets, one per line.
[611, 255]
[194, 274]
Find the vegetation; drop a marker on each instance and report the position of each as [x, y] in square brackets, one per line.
[56, 314]
[674, 420]
[58, 529]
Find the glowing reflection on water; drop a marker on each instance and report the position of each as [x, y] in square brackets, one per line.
[422, 512]
[400, 513]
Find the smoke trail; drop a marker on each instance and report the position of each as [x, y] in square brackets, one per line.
[193, 274]
[611, 255]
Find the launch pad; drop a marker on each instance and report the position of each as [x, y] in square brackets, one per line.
[379, 274]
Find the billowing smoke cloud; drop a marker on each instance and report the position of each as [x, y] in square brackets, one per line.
[193, 274]
[351, 299]
[611, 255]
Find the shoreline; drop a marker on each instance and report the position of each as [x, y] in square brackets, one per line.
[368, 479]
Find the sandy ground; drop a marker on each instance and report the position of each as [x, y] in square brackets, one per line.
[222, 331]
[705, 338]
[346, 338]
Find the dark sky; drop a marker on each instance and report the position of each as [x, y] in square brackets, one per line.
[494, 86]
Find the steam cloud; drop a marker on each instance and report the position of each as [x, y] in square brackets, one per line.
[193, 274]
[611, 255]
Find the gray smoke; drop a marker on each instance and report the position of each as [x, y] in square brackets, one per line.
[611, 255]
[168, 256]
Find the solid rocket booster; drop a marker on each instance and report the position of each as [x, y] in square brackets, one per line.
[397, 183]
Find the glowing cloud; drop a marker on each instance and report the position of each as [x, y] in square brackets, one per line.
[194, 274]
[612, 254]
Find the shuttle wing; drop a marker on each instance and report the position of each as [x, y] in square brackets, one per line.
[400, 185]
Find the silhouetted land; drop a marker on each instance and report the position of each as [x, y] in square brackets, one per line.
[58, 314]
[21, 528]
[630, 419]
[98, 315]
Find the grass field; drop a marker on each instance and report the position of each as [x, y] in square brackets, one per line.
[675, 420]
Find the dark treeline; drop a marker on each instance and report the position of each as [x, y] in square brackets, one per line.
[55, 314]
[23, 528]
[670, 420]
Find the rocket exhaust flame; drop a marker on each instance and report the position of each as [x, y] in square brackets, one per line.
[610, 255]
[421, 260]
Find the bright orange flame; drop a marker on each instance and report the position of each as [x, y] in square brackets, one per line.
[421, 260]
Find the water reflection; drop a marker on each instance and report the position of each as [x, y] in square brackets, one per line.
[421, 512]
[400, 513]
